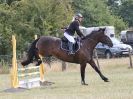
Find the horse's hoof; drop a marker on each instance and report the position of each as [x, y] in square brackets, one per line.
[25, 66]
[84, 84]
[106, 80]
[39, 62]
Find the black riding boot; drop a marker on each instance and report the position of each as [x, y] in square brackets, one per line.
[71, 48]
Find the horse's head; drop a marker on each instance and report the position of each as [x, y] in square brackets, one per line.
[103, 38]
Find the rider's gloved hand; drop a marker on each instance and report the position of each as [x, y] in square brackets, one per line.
[82, 37]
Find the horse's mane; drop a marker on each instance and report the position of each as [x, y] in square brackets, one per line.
[50, 38]
[91, 34]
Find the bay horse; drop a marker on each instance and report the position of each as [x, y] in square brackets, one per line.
[50, 46]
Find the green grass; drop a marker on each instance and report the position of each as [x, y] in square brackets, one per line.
[67, 84]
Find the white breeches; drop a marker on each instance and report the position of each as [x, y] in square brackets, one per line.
[69, 37]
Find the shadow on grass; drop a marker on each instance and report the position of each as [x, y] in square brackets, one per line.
[44, 84]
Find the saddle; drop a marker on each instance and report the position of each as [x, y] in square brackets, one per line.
[64, 44]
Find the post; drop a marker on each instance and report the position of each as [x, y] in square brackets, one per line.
[96, 58]
[42, 72]
[130, 59]
[63, 66]
[41, 69]
[14, 74]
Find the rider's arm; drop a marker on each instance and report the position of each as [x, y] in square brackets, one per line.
[78, 30]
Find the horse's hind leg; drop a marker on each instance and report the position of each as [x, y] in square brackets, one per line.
[92, 63]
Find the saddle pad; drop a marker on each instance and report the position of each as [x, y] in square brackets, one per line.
[65, 46]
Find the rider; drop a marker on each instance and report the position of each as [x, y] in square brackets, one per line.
[70, 31]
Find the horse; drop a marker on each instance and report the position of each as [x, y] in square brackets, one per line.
[50, 46]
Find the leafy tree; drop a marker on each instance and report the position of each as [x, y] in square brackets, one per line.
[25, 18]
[8, 1]
[126, 11]
[5, 29]
[113, 3]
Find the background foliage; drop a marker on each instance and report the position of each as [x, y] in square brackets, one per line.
[25, 18]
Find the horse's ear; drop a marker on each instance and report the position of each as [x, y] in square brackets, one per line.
[102, 29]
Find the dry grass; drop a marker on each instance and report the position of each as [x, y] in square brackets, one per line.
[104, 63]
[67, 84]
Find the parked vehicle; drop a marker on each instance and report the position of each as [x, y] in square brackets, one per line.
[126, 37]
[119, 49]
[110, 30]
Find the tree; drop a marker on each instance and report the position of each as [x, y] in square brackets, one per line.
[25, 18]
[113, 3]
[9, 2]
[126, 11]
[5, 29]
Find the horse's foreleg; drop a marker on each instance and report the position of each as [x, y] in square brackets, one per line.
[82, 71]
[92, 63]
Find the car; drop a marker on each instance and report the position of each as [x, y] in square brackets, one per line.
[119, 49]
[126, 37]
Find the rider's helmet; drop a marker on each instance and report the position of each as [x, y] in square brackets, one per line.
[78, 15]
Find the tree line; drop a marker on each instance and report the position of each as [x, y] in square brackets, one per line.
[25, 18]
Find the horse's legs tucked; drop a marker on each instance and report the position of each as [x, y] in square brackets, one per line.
[92, 63]
[29, 59]
[37, 57]
[82, 71]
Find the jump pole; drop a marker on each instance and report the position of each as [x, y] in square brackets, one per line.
[15, 83]
[42, 70]
[14, 73]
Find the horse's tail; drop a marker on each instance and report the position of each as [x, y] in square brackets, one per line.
[32, 53]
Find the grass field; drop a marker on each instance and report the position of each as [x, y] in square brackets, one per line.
[67, 84]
